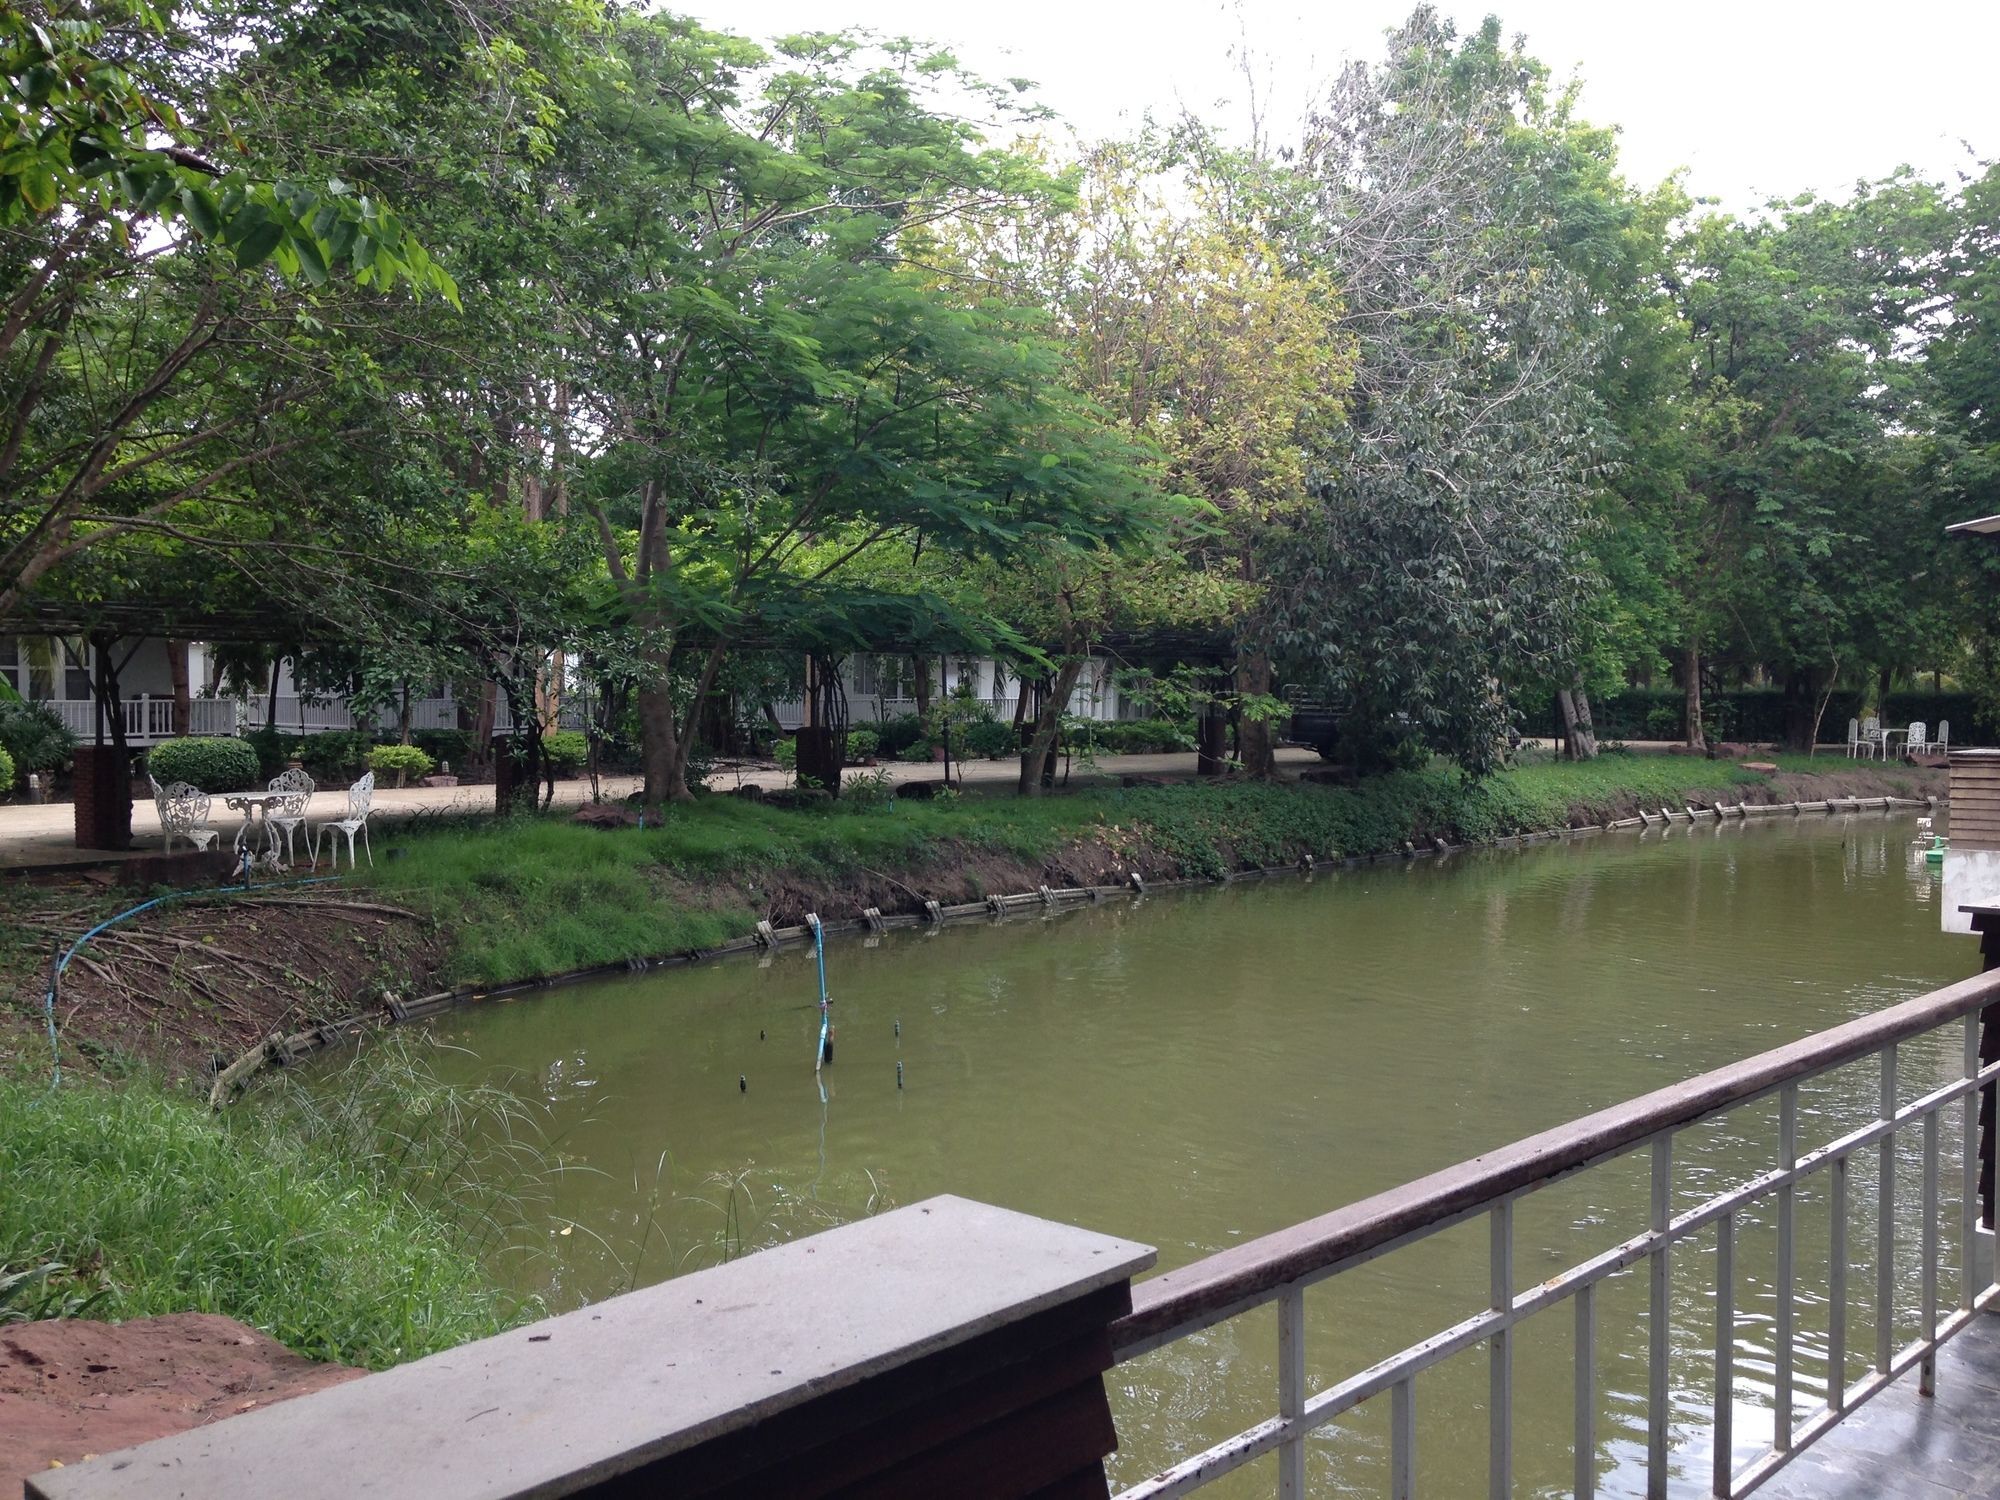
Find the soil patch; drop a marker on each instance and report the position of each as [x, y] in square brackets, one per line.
[71, 1389]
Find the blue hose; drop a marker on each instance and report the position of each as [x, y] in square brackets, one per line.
[61, 963]
[825, 1005]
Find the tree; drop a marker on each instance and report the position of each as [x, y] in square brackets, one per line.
[153, 341]
[1443, 556]
[771, 365]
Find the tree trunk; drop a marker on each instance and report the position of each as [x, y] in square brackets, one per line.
[1691, 668]
[920, 683]
[1257, 746]
[403, 717]
[1579, 736]
[1035, 757]
[111, 707]
[271, 698]
[660, 751]
[1210, 758]
[177, 665]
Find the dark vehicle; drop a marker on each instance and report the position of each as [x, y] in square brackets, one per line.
[1316, 724]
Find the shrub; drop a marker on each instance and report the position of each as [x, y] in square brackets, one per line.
[861, 743]
[443, 744]
[566, 749]
[6, 769]
[403, 760]
[989, 738]
[34, 737]
[920, 751]
[786, 753]
[274, 747]
[894, 736]
[336, 754]
[214, 765]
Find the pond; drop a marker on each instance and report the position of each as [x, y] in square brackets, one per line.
[1195, 1068]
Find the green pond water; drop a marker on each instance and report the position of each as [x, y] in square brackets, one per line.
[1196, 1068]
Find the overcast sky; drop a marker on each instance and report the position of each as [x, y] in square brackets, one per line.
[1755, 98]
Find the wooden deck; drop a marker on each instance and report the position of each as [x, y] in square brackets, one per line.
[1903, 1446]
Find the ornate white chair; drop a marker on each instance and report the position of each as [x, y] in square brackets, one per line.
[360, 799]
[183, 814]
[1871, 738]
[1918, 740]
[289, 813]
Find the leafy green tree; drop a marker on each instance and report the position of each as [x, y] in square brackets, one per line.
[155, 279]
[1443, 556]
[781, 384]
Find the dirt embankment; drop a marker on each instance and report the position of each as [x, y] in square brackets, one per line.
[72, 1389]
[193, 984]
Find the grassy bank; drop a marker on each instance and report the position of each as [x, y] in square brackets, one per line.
[131, 1199]
[541, 896]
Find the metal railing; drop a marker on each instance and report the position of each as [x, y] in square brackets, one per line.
[1279, 1268]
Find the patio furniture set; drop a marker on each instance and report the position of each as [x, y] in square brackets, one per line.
[1867, 739]
[280, 811]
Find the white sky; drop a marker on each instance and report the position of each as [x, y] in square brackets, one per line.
[1756, 97]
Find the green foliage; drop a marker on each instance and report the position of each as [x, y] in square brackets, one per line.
[566, 749]
[989, 738]
[158, 1207]
[6, 769]
[786, 753]
[214, 765]
[274, 749]
[1134, 736]
[895, 735]
[335, 755]
[916, 753]
[443, 745]
[35, 736]
[401, 761]
[861, 744]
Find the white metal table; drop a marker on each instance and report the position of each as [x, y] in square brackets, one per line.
[256, 809]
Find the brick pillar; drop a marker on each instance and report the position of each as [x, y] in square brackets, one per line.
[103, 798]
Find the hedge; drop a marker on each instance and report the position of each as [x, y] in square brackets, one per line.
[1758, 714]
[214, 765]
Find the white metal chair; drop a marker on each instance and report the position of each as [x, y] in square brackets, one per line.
[1871, 738]
[290, 813]
[360, 798]
[1853, 738]
[1917, 741]
[183, 814]
[1942, 744]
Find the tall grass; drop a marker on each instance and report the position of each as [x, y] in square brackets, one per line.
[342, 1241]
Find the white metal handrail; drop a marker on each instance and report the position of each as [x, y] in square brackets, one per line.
[1279, 1267]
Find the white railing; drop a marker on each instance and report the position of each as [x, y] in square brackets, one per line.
[149, 719]
[1280, 1267]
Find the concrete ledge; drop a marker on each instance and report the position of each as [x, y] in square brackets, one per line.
[701, 1384]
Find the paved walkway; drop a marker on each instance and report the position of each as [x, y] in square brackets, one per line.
[1903, 1446]
[44, 836]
